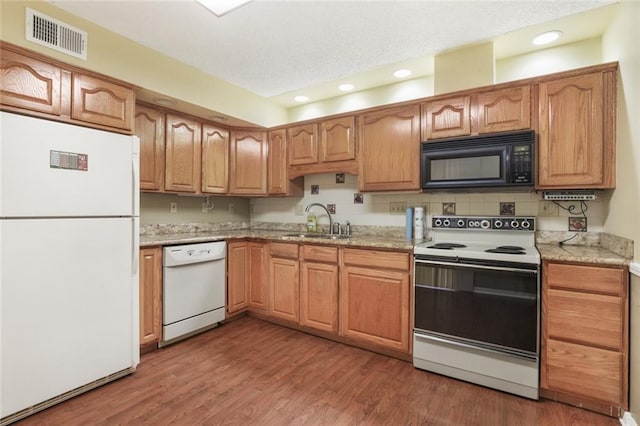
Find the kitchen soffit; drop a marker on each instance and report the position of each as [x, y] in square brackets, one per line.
[273, 48]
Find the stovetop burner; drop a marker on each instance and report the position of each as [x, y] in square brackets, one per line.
[505, 250]
[446, 246]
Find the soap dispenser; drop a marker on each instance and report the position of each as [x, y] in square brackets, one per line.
[312, 222]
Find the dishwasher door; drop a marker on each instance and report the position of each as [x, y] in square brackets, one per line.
[194, 282]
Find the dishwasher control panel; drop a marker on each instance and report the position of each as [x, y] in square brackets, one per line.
[194, 253]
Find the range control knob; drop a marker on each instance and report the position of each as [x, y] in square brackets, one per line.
[525, 224]
[485, 224]
[446, 223]
[497, 224]
[514, 223]
[460, 223]
[438, 222]
[476, 223]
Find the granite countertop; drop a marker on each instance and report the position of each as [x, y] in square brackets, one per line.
[357, 240]
[583, 254]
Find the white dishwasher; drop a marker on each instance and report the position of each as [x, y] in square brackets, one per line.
[194, 281]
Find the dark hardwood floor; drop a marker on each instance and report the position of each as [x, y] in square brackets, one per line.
[253, 372]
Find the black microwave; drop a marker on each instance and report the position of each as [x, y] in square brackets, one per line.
[498, 160]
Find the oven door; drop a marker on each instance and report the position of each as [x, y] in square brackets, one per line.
[495, 307]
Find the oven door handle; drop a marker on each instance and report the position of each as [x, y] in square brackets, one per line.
[464, 265]
[418, 335]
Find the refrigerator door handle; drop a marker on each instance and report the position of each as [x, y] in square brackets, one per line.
[135, 175]
[135, 255]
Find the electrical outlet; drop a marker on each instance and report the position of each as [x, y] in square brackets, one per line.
[232, 208]
[578, 224]
[205, 207]
[398, 207]
[173, 207]
[299, 209]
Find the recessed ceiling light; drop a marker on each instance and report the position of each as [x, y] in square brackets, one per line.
[402, 73]
[301, 98]
[346, 87]
[220, 7]
[546, 38]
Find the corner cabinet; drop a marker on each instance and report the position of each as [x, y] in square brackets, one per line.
[150, 124]
[585, 332]
[183, 154]
[576, 140]
[150, 295]
[248, 163]
[389, 149]
[375, 298]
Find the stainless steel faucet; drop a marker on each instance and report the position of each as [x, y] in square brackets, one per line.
[326, 210]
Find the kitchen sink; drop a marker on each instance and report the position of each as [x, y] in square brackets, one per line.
[321, 236]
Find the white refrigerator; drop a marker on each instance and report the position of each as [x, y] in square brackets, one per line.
[69, 237]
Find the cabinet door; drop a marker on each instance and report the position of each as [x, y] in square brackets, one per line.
[30, 84]
[573, 149]
[503, 110]
[389, 144]
[258, 277]
[150, 129]
[338, 142]
[101, 102]
[248, 168]
[150, 295]
[237, 277]
[183, 147]
[447, 117]
[215, 159]
[374, 306]
[319, 296]
[283, 288]
[303, 144]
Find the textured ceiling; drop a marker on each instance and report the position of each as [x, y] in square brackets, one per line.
[273, 47]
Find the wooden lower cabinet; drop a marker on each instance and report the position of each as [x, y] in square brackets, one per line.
[258, 277]
[237, 277]
[284, 273]
[319, 280]
[374, 298]
[150, 295]
[585, 323]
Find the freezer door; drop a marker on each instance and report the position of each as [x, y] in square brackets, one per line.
[69, 308]
[50, 169]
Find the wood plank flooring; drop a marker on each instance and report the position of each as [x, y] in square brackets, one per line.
[250, 372]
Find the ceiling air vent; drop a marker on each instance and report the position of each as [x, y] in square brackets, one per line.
[57, 35]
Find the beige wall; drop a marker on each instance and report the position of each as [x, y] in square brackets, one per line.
[620, 43]
[155, 209]
[121, 58]
[464, 68]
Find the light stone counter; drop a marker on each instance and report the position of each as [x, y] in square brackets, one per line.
[583, 254]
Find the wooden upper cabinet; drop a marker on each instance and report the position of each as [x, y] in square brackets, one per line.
[504, 109]
[150, 129]
[183, 154]
[215, 159]
[101, 102]
[389, 149]
[278, 182]
[576, 143]
[248, 163]
[338, 139]
[303, 144]
[449, 117]
[30, 84]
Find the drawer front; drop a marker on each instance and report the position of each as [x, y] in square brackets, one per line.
[284, 250]
[592, 319]
[576, 369]
[319, 253]
[585, 278]
[377, 259]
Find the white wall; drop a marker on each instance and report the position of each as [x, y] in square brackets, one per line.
[154, 209]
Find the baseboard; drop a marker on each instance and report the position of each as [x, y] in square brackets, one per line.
[628, 420]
